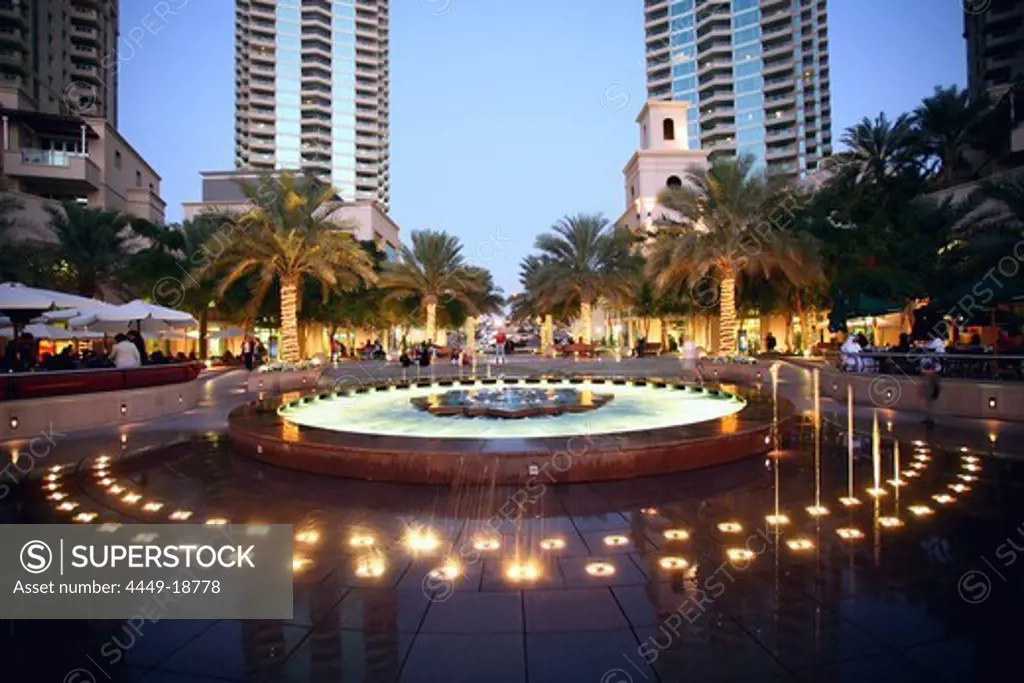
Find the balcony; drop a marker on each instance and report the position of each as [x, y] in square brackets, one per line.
[15, 40]
[87, 53]
[83, 14]
[85, 33]
[51, 172]
[13, 16]
[83, 72]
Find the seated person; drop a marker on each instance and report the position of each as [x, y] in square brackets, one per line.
[849, 354]
[904, 344]
[180, 357]
[63, 360]
[158, 358]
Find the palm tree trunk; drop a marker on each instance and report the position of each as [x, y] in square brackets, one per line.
[289, 318]
[548, 338]
[470, 329]
[203, 320]
[727, 315]
[586, 321]
[431, 321]
[802, 328]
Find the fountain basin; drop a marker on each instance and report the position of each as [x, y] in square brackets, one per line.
[653, 426]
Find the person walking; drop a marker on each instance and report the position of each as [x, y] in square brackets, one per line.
[125, 354]
[499, 347]
[248, 353]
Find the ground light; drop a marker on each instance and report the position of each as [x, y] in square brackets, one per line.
[600, 569]
[673, 563]
[676, 534]
[361, 540]
[521, 572]
[552, 544]
[739, 554]
[800, 544]
[447, 572]
[370, 566]
[421, 540]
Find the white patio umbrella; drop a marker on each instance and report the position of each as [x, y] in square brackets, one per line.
[18, 297]
[44, 331]
[20, 303]
[143, 316]
[227, 333]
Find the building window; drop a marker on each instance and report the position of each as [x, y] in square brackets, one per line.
[674, 181]
[632, 191]
[117, 160]
[138, 179]
[668, 127]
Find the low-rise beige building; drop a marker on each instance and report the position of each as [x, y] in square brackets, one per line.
[223, 193]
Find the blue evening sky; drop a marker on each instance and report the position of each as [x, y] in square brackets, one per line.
[505, 116]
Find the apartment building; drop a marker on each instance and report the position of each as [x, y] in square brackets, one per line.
[58, 109]
[755, 73]
[312, 91]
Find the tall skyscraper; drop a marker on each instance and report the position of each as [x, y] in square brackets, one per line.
[994, 31]
[60, 56]
[995, 46]
[312, 91]
[755, 73]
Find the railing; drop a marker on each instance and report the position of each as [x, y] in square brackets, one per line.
[50, 383]
[953, 364]
[48, 157]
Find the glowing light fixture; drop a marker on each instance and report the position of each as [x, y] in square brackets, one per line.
[421, 540]
[676, 534]
[673, 563]
[600, 569]
[800, 544]
[518, 572]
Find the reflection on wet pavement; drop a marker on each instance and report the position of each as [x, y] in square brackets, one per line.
[754, 571]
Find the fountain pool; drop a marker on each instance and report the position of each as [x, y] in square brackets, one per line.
[509, 430]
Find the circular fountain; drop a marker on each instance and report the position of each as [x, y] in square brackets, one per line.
[510, 430]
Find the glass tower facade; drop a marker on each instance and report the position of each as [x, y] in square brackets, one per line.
[312, 91]
[755, 73]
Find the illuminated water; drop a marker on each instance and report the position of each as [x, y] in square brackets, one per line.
[634, 408]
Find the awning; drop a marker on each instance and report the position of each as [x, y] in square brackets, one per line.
[52, 125]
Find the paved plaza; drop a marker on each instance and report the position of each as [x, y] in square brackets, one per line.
[674, 578]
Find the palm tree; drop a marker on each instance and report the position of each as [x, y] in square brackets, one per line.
[583, 260]
[291, 234]
[718, 229]
[178, 267]
[91, 249]
[433, 271]
[948, 123]
[879, 149]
